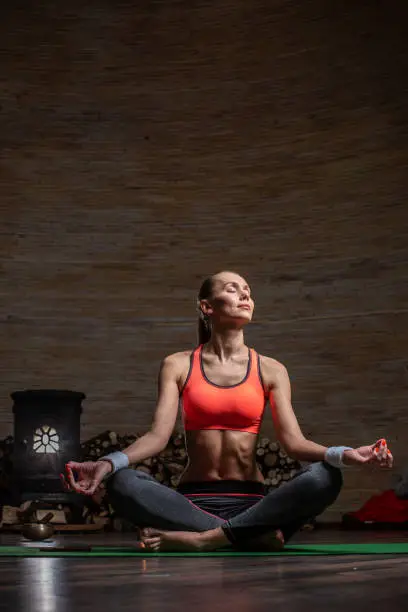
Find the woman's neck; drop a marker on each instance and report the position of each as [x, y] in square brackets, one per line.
[226, 343]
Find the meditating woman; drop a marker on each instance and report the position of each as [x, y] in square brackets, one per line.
[222, 387]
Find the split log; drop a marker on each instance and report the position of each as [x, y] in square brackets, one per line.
[270, 459]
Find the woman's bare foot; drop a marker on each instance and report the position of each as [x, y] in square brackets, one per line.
[273, 541]
[155, 540]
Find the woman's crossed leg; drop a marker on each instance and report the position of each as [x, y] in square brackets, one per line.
[169, 521]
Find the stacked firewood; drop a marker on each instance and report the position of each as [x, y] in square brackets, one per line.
[276, 466]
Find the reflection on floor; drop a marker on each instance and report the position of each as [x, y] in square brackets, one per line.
[242, 584]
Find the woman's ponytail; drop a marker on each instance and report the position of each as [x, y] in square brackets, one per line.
[204, 330]
[204, 324]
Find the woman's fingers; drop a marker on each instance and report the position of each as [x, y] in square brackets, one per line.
[65, 483]
[152, 543]
[380, 449]
[79, 486]
[92, 487]
[81, 478]
[382, 454]
[70, 475]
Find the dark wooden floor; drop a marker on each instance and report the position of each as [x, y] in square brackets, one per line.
[292, 584]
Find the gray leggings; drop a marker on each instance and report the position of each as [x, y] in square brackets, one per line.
[145, 502]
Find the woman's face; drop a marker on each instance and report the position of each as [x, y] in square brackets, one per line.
[231, 299]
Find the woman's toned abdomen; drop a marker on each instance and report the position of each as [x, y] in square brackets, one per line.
[221, 455]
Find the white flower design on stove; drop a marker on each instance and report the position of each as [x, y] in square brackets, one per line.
[46, 440]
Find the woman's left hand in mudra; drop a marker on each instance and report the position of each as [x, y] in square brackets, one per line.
[375, 454]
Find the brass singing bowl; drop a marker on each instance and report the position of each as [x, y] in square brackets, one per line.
[37, 531]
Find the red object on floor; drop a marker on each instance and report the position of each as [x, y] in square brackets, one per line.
[383, 508]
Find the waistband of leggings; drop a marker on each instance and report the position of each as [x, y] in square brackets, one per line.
[222, 487]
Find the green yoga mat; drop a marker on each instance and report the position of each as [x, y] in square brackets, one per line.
[382, 548]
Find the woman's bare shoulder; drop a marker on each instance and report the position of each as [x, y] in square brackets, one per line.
[179, 357]
[178, 361]
[178, 365]
[271, 367]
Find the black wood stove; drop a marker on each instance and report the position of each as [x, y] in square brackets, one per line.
[46, 437]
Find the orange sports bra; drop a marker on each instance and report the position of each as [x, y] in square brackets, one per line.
[206, 405]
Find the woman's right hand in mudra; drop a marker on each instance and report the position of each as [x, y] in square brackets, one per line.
[85, 477]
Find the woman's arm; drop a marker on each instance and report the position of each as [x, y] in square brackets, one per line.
[164, 419]
[285, 422]
[290, 435]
